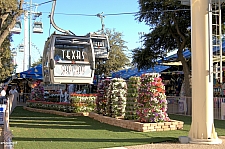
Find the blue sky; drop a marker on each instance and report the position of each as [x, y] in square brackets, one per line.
[65, 18]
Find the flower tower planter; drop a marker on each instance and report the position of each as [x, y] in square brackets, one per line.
[116, 101]
[102, 96]
[37, 92]
[133, 85]
[152, 103]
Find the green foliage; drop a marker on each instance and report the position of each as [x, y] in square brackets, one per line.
[9, 5]
[9, 12]
[169, 22]
[38, 62]
[117, 58]
[6, 65]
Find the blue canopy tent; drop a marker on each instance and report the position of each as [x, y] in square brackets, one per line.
[135, 72]
[32, 73]
[156, 69]
[124, 73]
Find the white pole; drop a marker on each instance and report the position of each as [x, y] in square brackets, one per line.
[202, 127]
[30, 28]
[25, 41]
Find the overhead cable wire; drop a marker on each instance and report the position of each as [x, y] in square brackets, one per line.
[124, 13]
[114, 14]
[44, 2]
[34, 5]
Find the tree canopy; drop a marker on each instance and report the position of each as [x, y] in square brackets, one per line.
[10, 10]
[38, 62]
[170, 24]
[117, 58]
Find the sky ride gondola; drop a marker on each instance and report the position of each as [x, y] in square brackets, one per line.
[66, 61]
[100, 45]
[68, 58]
[37, 27]
[21, 48]
[17, 28]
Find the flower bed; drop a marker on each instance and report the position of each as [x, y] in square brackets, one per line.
[116, 97]
[58, 106]
[79, 103]
[152, 103]
[56, 112]
[133, 85]
[83, 102]
[101, 101]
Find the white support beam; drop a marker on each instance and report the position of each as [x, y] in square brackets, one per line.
[188, 2]
[202, 127]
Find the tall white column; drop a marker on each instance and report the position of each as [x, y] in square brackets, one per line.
[202, 127]
[26, 55]
[30, 28]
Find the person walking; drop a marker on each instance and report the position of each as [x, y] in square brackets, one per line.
[3, 95]
[13, 90]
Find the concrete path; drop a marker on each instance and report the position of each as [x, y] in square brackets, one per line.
[179, 146]
[175, 146]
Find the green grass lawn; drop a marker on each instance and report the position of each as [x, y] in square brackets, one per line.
[34, 130]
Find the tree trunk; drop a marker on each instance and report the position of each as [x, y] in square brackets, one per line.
[187, 74]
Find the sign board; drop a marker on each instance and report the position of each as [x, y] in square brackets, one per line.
[101, 53]
[55, 87]
[101, 46]
[2, 113]
[182, 106]
[72, 70]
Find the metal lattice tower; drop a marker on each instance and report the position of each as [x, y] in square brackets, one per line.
[215, 15]
[216, 36]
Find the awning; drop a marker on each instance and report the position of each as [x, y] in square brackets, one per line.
[135, 72]
[32, 73]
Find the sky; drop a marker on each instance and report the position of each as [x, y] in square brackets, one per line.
[67, 16]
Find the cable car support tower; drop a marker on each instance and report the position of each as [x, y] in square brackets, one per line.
[206, 41]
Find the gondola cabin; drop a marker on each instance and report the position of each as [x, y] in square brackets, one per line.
[17, 28]
[101, 45]
[37, 27]
[68, 59]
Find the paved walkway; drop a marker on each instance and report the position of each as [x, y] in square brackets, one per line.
[176, 146]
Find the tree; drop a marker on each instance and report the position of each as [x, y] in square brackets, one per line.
[117, 58]
[170, 23]
[38, 62]
[10, 10]
[6, 65]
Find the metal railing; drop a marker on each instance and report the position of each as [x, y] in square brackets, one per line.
[183, 105]
[7, 135]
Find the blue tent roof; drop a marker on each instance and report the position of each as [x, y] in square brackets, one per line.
[187, 53]
[127, 73]
[32, 73]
